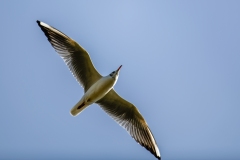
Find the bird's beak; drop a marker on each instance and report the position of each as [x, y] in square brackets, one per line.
[119, 68]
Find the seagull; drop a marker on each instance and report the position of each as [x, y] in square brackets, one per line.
[99, 89]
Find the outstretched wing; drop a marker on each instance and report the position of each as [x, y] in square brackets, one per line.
[128, 116]
[76, 57]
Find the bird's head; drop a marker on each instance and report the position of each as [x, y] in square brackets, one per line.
[114, 74]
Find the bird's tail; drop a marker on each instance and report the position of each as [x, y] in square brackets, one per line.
[79, 107]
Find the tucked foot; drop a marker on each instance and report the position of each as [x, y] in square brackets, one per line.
[81, 105]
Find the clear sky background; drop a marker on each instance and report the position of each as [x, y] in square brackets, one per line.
[181, 63]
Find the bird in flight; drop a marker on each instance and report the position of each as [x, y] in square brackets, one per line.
[99, 89]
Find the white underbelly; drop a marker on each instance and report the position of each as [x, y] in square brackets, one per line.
[98, 90]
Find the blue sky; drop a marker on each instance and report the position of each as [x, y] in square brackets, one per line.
[180, 68]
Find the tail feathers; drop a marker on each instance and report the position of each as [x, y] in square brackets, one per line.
[79, 107]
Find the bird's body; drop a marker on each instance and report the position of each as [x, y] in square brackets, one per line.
[99, 89]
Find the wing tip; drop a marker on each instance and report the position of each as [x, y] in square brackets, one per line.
[40, 23]
[42, 26]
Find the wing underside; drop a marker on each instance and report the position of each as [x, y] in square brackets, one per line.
[76, 57]
[128, 116]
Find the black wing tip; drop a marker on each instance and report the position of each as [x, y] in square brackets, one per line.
[43, 29]
[46, 28]
[38, 22]
[149, 149]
